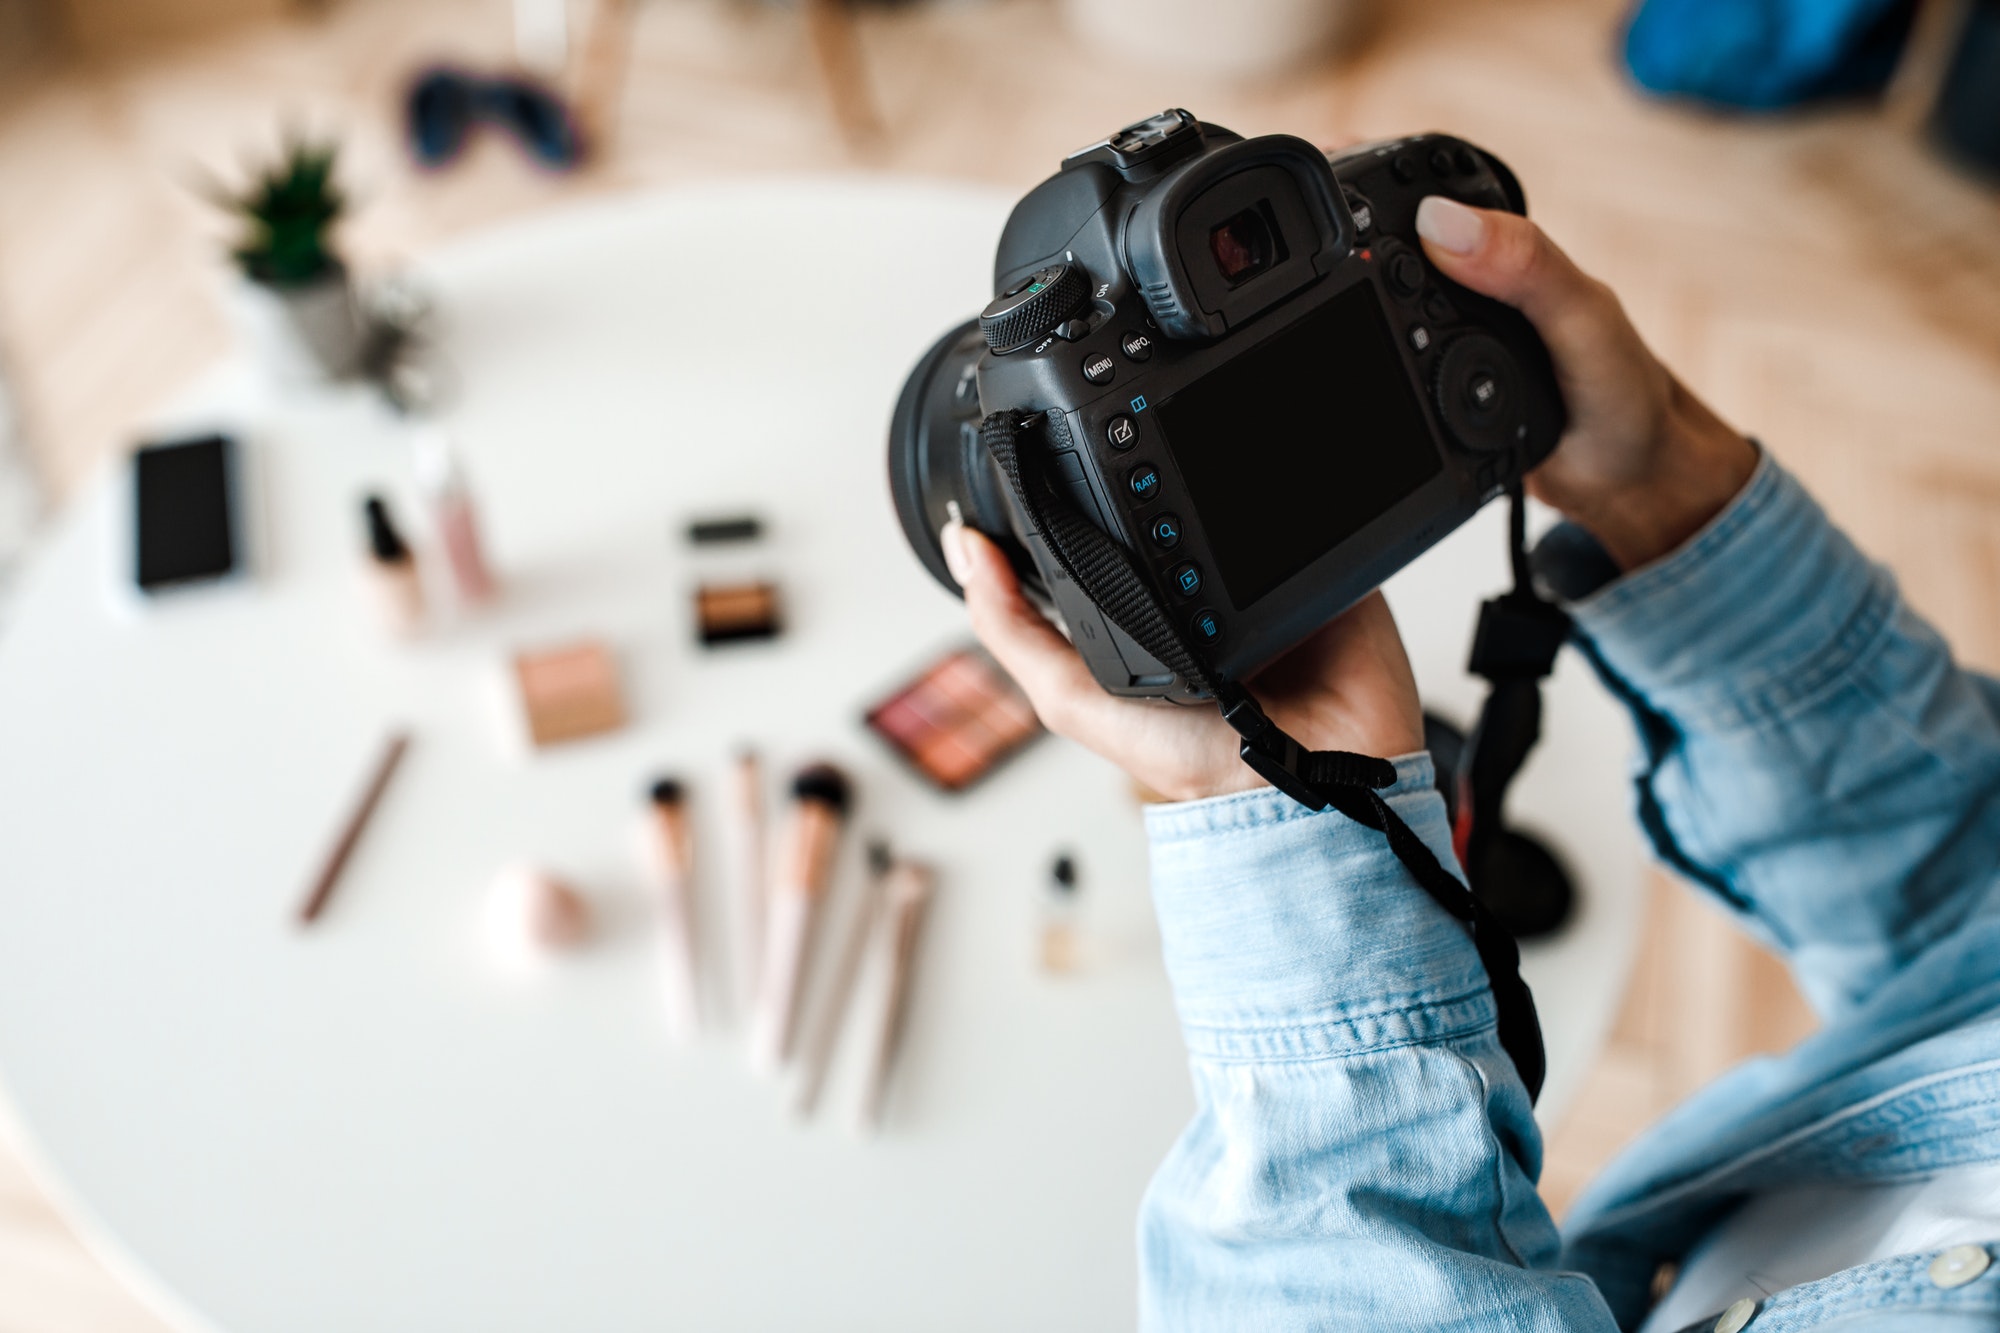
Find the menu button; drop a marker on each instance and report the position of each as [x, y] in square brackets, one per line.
[1098, 369]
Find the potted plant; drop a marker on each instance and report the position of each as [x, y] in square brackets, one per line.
[290, 209]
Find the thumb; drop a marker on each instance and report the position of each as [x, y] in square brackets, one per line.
[1506, 257]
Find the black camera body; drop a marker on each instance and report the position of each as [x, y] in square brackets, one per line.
[1246, 373]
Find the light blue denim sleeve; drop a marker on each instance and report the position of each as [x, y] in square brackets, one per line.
[1363, 1154]
[1812, 754]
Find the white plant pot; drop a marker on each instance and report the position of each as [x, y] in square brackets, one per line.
[1236, 40]
[327, 319]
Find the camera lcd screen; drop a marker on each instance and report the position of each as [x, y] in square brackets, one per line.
[1294, 446]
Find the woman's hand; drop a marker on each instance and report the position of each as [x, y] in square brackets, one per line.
[1348, 687]
[1644, 463]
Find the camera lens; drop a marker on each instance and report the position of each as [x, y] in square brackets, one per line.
[936, 466]
[1242, 246]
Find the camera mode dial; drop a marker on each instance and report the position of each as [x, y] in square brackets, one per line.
[1035, 305]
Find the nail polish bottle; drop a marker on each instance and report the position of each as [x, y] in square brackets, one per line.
[392, 573]
[442, 481]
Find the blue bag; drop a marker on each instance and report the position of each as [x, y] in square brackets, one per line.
[1766, 53]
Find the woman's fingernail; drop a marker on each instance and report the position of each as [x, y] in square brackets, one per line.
[1450, 225]
[952, 538]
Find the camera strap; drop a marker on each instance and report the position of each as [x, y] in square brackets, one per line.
[1513, 649]
[1316, 779]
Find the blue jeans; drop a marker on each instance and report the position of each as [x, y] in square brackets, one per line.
[1363, 1155]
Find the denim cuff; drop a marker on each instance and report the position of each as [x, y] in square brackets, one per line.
[1753, 617]
[1291, 934]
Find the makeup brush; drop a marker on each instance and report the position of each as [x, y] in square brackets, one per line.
[905, 895]
[818, 1038]
[670, 858]
[804, 865]
[745, 812]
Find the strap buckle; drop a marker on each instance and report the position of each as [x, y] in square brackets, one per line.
[1271, 753]
[1518, 637]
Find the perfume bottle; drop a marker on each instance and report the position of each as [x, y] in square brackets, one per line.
[393, 584]
[442, 482]
[1060, 951]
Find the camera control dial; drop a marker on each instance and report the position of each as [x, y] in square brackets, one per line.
[1033, 306]
[1479, 393]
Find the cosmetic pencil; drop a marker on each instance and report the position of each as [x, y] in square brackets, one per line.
[818, 1038]
[745, 815]
[906, 893]
[350, 833]
[803, 866]
[670, 857]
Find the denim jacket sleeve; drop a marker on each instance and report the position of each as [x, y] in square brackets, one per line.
[1812, 754]
[1363, 1154]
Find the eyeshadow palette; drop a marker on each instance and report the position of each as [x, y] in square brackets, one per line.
[724, 530]
[958, 720]
[726, 612]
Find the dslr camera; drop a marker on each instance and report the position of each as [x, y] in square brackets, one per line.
[1238, 365]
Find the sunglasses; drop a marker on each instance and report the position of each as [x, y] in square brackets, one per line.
[446, 105]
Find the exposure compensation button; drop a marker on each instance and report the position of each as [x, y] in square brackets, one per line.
[1406, 272]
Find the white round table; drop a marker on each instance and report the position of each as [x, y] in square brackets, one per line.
[364, 1125]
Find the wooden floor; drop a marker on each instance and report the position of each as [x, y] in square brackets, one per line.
[1825, 282]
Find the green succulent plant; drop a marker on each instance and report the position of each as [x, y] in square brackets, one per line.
[290, 209]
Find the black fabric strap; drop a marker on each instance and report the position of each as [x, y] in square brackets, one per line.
[1350, 783]
[1095, 563]
[1514, 647]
